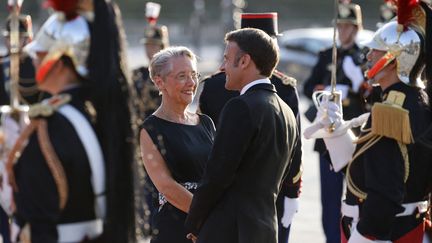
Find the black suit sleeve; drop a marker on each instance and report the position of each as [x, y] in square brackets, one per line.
[292, 182]
[234, 134]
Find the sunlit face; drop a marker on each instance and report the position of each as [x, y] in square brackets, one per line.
[373, 57]
[231, 67]
[180, 84]
[347, 33]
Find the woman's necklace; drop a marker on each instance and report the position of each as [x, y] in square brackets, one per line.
[188, 119]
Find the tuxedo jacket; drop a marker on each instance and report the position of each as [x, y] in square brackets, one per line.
[213, 98]
[252, 152]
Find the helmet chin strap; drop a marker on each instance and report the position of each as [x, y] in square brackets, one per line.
[380, 64]
[44, 69]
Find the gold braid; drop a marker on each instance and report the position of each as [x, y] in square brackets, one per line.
[53, 162]
[15, 153]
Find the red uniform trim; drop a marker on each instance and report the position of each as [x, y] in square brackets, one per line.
[344, 238]
[414, 236]
[259, 16]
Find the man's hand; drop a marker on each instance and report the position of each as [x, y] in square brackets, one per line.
[291, 206]
[192, 237]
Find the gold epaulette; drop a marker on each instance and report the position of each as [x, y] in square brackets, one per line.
[388, 119]
[287, 80]
[391, 120]
[47, 107]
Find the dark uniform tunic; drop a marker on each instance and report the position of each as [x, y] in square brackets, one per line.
[37, 198]
[213, 98]
[29, 94]
[380, 170]
[27, 83]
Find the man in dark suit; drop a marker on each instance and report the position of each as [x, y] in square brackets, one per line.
[252, 152]
[214, 96]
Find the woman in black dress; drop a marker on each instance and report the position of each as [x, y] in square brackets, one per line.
[175, 142]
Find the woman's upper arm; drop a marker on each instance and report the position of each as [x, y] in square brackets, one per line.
[154, 163]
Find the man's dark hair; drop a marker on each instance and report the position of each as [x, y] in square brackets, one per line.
[262, 49]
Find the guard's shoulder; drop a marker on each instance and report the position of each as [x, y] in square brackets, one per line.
[47, 107]
[391, 119]
[215, 76]
[286, 80]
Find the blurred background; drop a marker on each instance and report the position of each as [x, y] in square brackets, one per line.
[201, 25]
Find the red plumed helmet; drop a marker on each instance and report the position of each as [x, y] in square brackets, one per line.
[68, 7]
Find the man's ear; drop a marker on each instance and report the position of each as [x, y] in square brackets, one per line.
[245, 60]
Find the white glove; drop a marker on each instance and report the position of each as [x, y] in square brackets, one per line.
[11, 131]
[356, 237]
[14, 231]
[343, 88]
[6, 192]
[353, 72]
[329, 114]
[291, 206]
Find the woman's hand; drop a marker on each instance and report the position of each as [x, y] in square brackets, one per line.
[192, 237]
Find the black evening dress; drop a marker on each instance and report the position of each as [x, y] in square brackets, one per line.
[185, 149]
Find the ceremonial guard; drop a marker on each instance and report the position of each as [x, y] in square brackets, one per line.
[388, 178]
[71, 168]
[214, 96]
[155, 39]
[388, 172]
[388, 12]
[57, 161]
[350, 79]
[28, 91]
